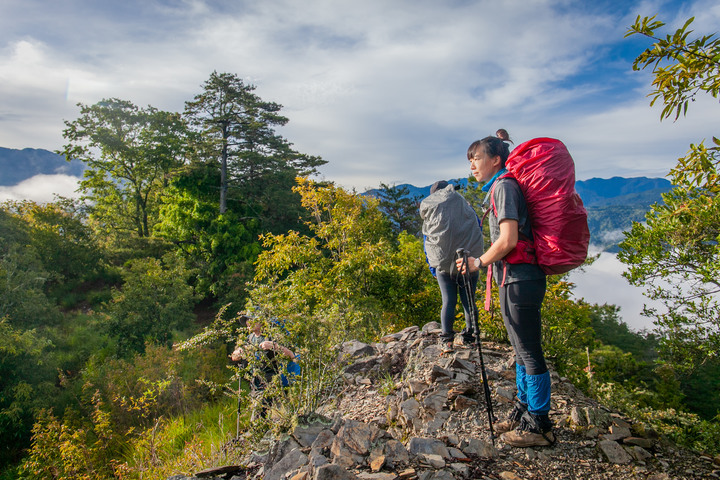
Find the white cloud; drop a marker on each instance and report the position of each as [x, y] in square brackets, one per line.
[385, 91]
[602, 283]
[42, 188]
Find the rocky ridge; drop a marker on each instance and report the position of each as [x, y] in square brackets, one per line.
[408, 412]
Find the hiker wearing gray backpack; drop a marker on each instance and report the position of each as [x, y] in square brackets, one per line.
[522, 284]
[449, 223]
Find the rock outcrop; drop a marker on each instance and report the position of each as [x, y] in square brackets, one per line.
[408, 412]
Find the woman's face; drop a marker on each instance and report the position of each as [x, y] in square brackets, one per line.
[484, 167]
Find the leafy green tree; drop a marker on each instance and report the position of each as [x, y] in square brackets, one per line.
[219, 250]
[676, 254]
[22, 277]
[236, 134]
[352, 269]
[682, 67]
[401, 208]
[64, 243]
[129, 152]
[21, 366]
[610, 330]
[154, 301]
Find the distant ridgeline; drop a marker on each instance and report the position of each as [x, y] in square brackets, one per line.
[19, 165]
[612, 204]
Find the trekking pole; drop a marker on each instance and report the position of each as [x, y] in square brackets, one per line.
[237, 417]
[461, 252]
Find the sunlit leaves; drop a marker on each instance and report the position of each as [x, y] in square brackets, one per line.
[682, 67]
[128, 151]
[676, 253]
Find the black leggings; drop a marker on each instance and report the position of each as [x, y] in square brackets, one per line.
[520, 304]
[450, 287]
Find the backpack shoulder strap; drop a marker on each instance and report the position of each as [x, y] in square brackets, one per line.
[492, 193]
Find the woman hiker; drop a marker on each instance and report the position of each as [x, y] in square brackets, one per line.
[521, 290]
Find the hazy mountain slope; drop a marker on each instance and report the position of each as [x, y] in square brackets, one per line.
[19, 165]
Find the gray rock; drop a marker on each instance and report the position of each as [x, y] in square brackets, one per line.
[431, 327]
[435, 402]
[504, 394]
[337, 422]
[422, 445]
[436, 423]
[409, 410]
[614, 452]
[619, 421]
[639, 441]
[461, 377]
[435, 461]
[305, 435]
[355, 349]
[393, 337]
[457, 454]
[598, 416]
[439, 373]
[377, 476]
[416, 386]
[279, 450]
[479, 448]
[363, 365]
[356, 438]
[218, 471]
[579, 416]
[292, 461]
[622, 432]
[323, 440]
[613, 437]
[317, 460]
[333, 472]
[395, 454]
[640, 454]
[442, 475]
[462, 364]
[461, 469]
[462, 402]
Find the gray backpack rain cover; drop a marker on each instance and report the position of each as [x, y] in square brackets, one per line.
[449, 223]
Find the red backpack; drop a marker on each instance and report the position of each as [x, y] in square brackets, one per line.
[545, 172]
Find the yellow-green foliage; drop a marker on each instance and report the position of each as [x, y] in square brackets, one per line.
[185, 444]
[353, 269]
[123, 402]
[73, 447]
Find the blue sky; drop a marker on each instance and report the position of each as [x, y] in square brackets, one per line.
[385, 91]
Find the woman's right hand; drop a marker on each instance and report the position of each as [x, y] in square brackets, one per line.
[462, 265]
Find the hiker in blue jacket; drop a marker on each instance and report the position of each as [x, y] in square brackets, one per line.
[266, 352]
[521, 290]
[449, 223]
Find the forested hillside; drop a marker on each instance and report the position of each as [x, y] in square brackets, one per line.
[118, 310]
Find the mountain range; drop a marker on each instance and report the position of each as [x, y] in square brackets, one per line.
[612, 203]
[595, 192]
[19, 165]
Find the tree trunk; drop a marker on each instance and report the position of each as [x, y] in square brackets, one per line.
[223, 173]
